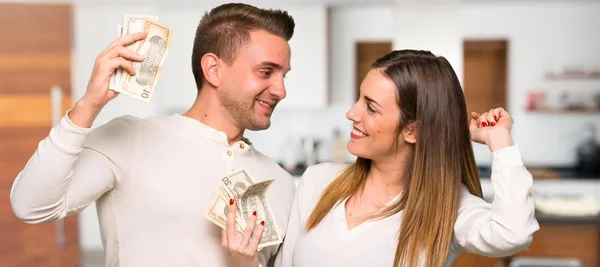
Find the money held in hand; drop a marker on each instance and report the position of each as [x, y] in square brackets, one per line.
[153, 48]
[249, 196]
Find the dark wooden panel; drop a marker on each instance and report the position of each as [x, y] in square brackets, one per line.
[35, 53]
[485, 45]
[555, 241]
[465, 260]
[18, 144]
[366, 54]
[574, 241]
[491, 262]
[485, 74]
[34, 82]
[21, 110]
[33, 245]
[35, 28]
[27, 62]
[9, 170]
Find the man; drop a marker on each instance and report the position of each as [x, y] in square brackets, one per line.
[153, 179]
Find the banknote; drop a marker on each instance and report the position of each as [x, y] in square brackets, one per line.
[225, 197]
[218, 213]
[249, 196]
[114, 77]
[154, 48]
[254, 199]
[131, 24]
[236, 183]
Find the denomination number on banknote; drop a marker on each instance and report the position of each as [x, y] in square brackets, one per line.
[145, 93]
[226, 181]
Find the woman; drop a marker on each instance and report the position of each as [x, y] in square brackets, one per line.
[413, 196]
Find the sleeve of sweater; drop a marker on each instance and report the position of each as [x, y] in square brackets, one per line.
[506, 225]
[71, 168]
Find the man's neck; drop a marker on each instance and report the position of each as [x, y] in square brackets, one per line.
[207, 109]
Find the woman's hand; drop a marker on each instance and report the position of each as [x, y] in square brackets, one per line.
[492, 128]
[242, 247]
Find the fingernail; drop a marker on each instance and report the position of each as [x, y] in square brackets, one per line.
[495, 118]
[484, 124]
[493, 123]
[231, 201]
[262, 222]
[254, 213]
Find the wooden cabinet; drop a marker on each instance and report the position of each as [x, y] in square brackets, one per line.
[579, 241]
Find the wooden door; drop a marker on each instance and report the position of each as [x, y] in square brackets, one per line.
[484, 85]
[366, 54]
[485, 74]
[35, 54]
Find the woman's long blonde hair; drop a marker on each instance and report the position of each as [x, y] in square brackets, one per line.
[430, 95]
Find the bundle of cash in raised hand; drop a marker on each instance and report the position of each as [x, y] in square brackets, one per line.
[249, 196]
[154, 48]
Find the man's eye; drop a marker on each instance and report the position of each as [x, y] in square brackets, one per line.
[266, 72]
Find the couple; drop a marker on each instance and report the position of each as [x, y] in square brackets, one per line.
[412, 198]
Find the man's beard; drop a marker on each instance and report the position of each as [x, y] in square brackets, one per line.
[241, 110]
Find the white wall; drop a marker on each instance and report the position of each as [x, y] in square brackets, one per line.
[434, 26]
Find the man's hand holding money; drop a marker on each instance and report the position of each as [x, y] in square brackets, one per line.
[97, 94]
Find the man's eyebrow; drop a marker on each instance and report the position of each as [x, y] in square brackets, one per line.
[271, 64]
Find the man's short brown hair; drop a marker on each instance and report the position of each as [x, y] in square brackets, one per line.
[226, 28]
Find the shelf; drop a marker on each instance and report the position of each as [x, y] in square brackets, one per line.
[573, 76]
[566, 111]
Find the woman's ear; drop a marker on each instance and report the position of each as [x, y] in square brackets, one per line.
[210, 64]
[409, 133]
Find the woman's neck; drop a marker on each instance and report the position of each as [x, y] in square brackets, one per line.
[386, 177]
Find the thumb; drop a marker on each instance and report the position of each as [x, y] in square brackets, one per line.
[472, 125]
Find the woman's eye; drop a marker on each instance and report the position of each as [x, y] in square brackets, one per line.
[370, 109]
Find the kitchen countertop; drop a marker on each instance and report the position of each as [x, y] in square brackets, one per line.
[548, 172]
[551, 219]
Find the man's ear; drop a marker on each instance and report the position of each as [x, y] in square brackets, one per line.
[211, 65]
[409, 133]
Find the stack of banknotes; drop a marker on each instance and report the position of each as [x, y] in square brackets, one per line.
[154, 48]
[249, 196]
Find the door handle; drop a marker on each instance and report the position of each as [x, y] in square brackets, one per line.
[56, 100]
